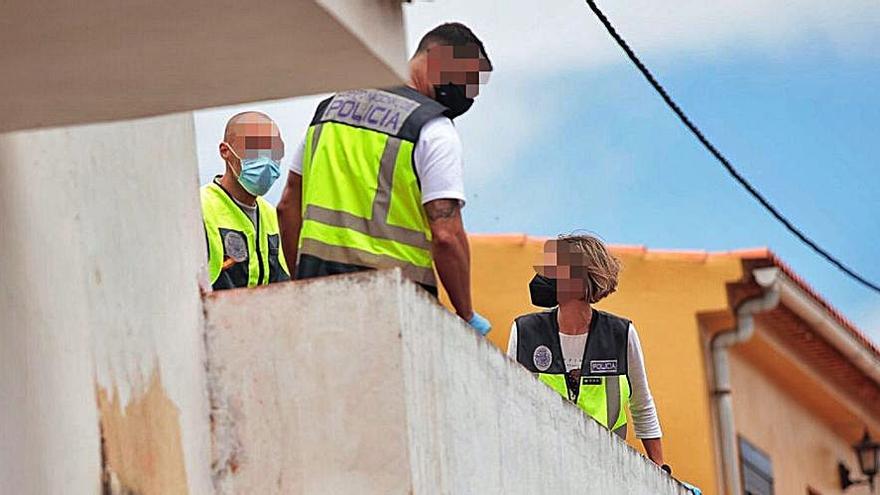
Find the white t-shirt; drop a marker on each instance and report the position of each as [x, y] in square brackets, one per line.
[641, 406]
[438, 161]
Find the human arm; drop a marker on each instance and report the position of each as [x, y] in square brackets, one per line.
[642, 408]
[654, 449]
[438, 161]
[449, 246]
[290, 219]
[512, 342]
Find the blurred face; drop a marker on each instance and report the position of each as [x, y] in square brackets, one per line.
[252, 137]
[460, 65]
[565, 265]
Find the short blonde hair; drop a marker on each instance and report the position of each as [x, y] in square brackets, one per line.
[600, 267]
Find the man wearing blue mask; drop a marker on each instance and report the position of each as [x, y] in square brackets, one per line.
[244, 245]
[378, 180]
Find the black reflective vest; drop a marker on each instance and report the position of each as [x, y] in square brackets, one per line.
[601, 388]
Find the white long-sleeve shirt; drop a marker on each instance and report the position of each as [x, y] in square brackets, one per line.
[641, 406]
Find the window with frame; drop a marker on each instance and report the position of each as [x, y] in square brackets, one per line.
[756, 468]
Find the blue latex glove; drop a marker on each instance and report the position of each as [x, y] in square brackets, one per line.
[692, 488]
[480, 324]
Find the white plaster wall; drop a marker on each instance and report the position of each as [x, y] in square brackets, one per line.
[306, 388]
[363, 384]
[102, 245]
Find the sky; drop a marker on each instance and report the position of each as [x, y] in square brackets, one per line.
[568, 135]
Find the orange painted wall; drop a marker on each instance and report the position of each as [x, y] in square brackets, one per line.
[662, 293]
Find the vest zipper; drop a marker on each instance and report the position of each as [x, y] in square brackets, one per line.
[584, 361]
[261, 273]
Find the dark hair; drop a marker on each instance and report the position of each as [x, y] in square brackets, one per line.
[452, 34]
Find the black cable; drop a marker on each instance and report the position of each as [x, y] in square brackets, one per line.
[717, 154]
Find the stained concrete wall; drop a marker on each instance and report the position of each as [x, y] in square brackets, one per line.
[364, 384]
[101, 348]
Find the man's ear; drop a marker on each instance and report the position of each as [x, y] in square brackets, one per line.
[224, 151]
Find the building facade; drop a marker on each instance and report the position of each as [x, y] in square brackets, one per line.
[761, 385]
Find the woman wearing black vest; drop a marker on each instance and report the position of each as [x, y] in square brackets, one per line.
[589, 356]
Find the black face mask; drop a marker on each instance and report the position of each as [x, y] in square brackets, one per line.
[543, 291]
[453, 97]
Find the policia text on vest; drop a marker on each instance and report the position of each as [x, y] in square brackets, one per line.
[241, 253]
[361, 195]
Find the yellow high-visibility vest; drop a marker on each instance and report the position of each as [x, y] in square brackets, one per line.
[240, 253]
[361, 198]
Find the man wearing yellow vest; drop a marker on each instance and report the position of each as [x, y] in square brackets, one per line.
[377, 182]
[590, 357]
[244, 245]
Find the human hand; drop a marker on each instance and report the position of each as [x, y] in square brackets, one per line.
[692, 488]
[480, 324]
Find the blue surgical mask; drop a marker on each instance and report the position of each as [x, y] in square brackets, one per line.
[258, 173]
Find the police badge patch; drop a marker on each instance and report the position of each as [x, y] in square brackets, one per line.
[542, 358]
[235, 246]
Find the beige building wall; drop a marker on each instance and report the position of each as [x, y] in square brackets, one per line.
[804, 449]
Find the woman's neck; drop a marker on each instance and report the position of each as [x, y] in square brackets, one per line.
[574, 317]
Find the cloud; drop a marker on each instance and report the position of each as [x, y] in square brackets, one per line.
[530, 42]
[533, 37]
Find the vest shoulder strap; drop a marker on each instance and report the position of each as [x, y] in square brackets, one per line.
[219, 210]
[268, 217]
[607, 345]
[537, 343]
[400, 112]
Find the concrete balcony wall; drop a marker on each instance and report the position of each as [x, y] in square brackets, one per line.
[363, 384]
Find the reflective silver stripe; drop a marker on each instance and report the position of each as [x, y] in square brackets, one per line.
[382, 200]
[621, 432]
[356, 256]
[316, 133]
[371, 228]
[612, 399]
[377, 225]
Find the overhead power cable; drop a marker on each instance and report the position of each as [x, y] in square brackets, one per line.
[717, 154]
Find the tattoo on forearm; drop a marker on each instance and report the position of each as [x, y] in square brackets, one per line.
[442, 208]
